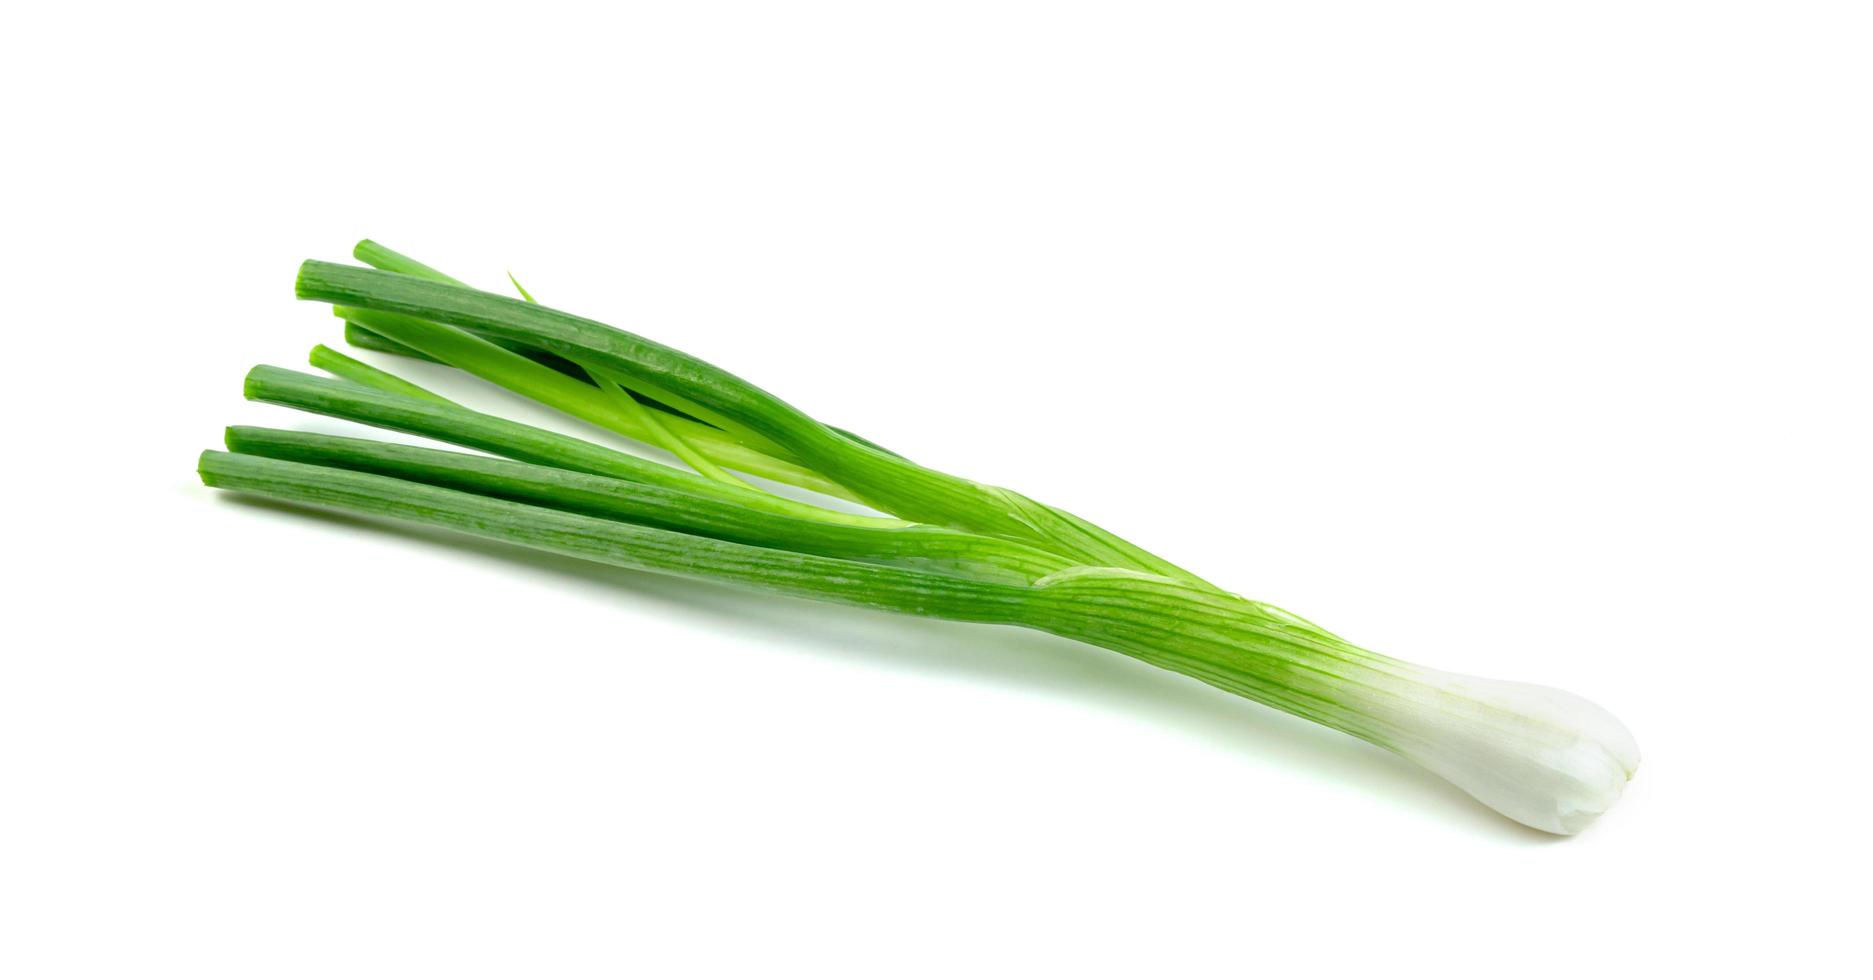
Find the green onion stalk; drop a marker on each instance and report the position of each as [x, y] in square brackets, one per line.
[935, 545]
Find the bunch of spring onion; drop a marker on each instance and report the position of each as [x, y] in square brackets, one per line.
[935, 545]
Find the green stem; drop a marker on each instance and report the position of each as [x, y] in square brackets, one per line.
[476, 430]
[378, 257]
[885, 481]
[623, 545]
[490, 362]
[359, 335]
[663, 436]
[1223, 640]
[351, 369]
[917, 546]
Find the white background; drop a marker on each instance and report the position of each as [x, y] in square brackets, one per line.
[1521, 340]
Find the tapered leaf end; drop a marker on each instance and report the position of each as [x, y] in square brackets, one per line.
[521, 289]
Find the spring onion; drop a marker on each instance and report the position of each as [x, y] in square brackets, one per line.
[939, 545]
